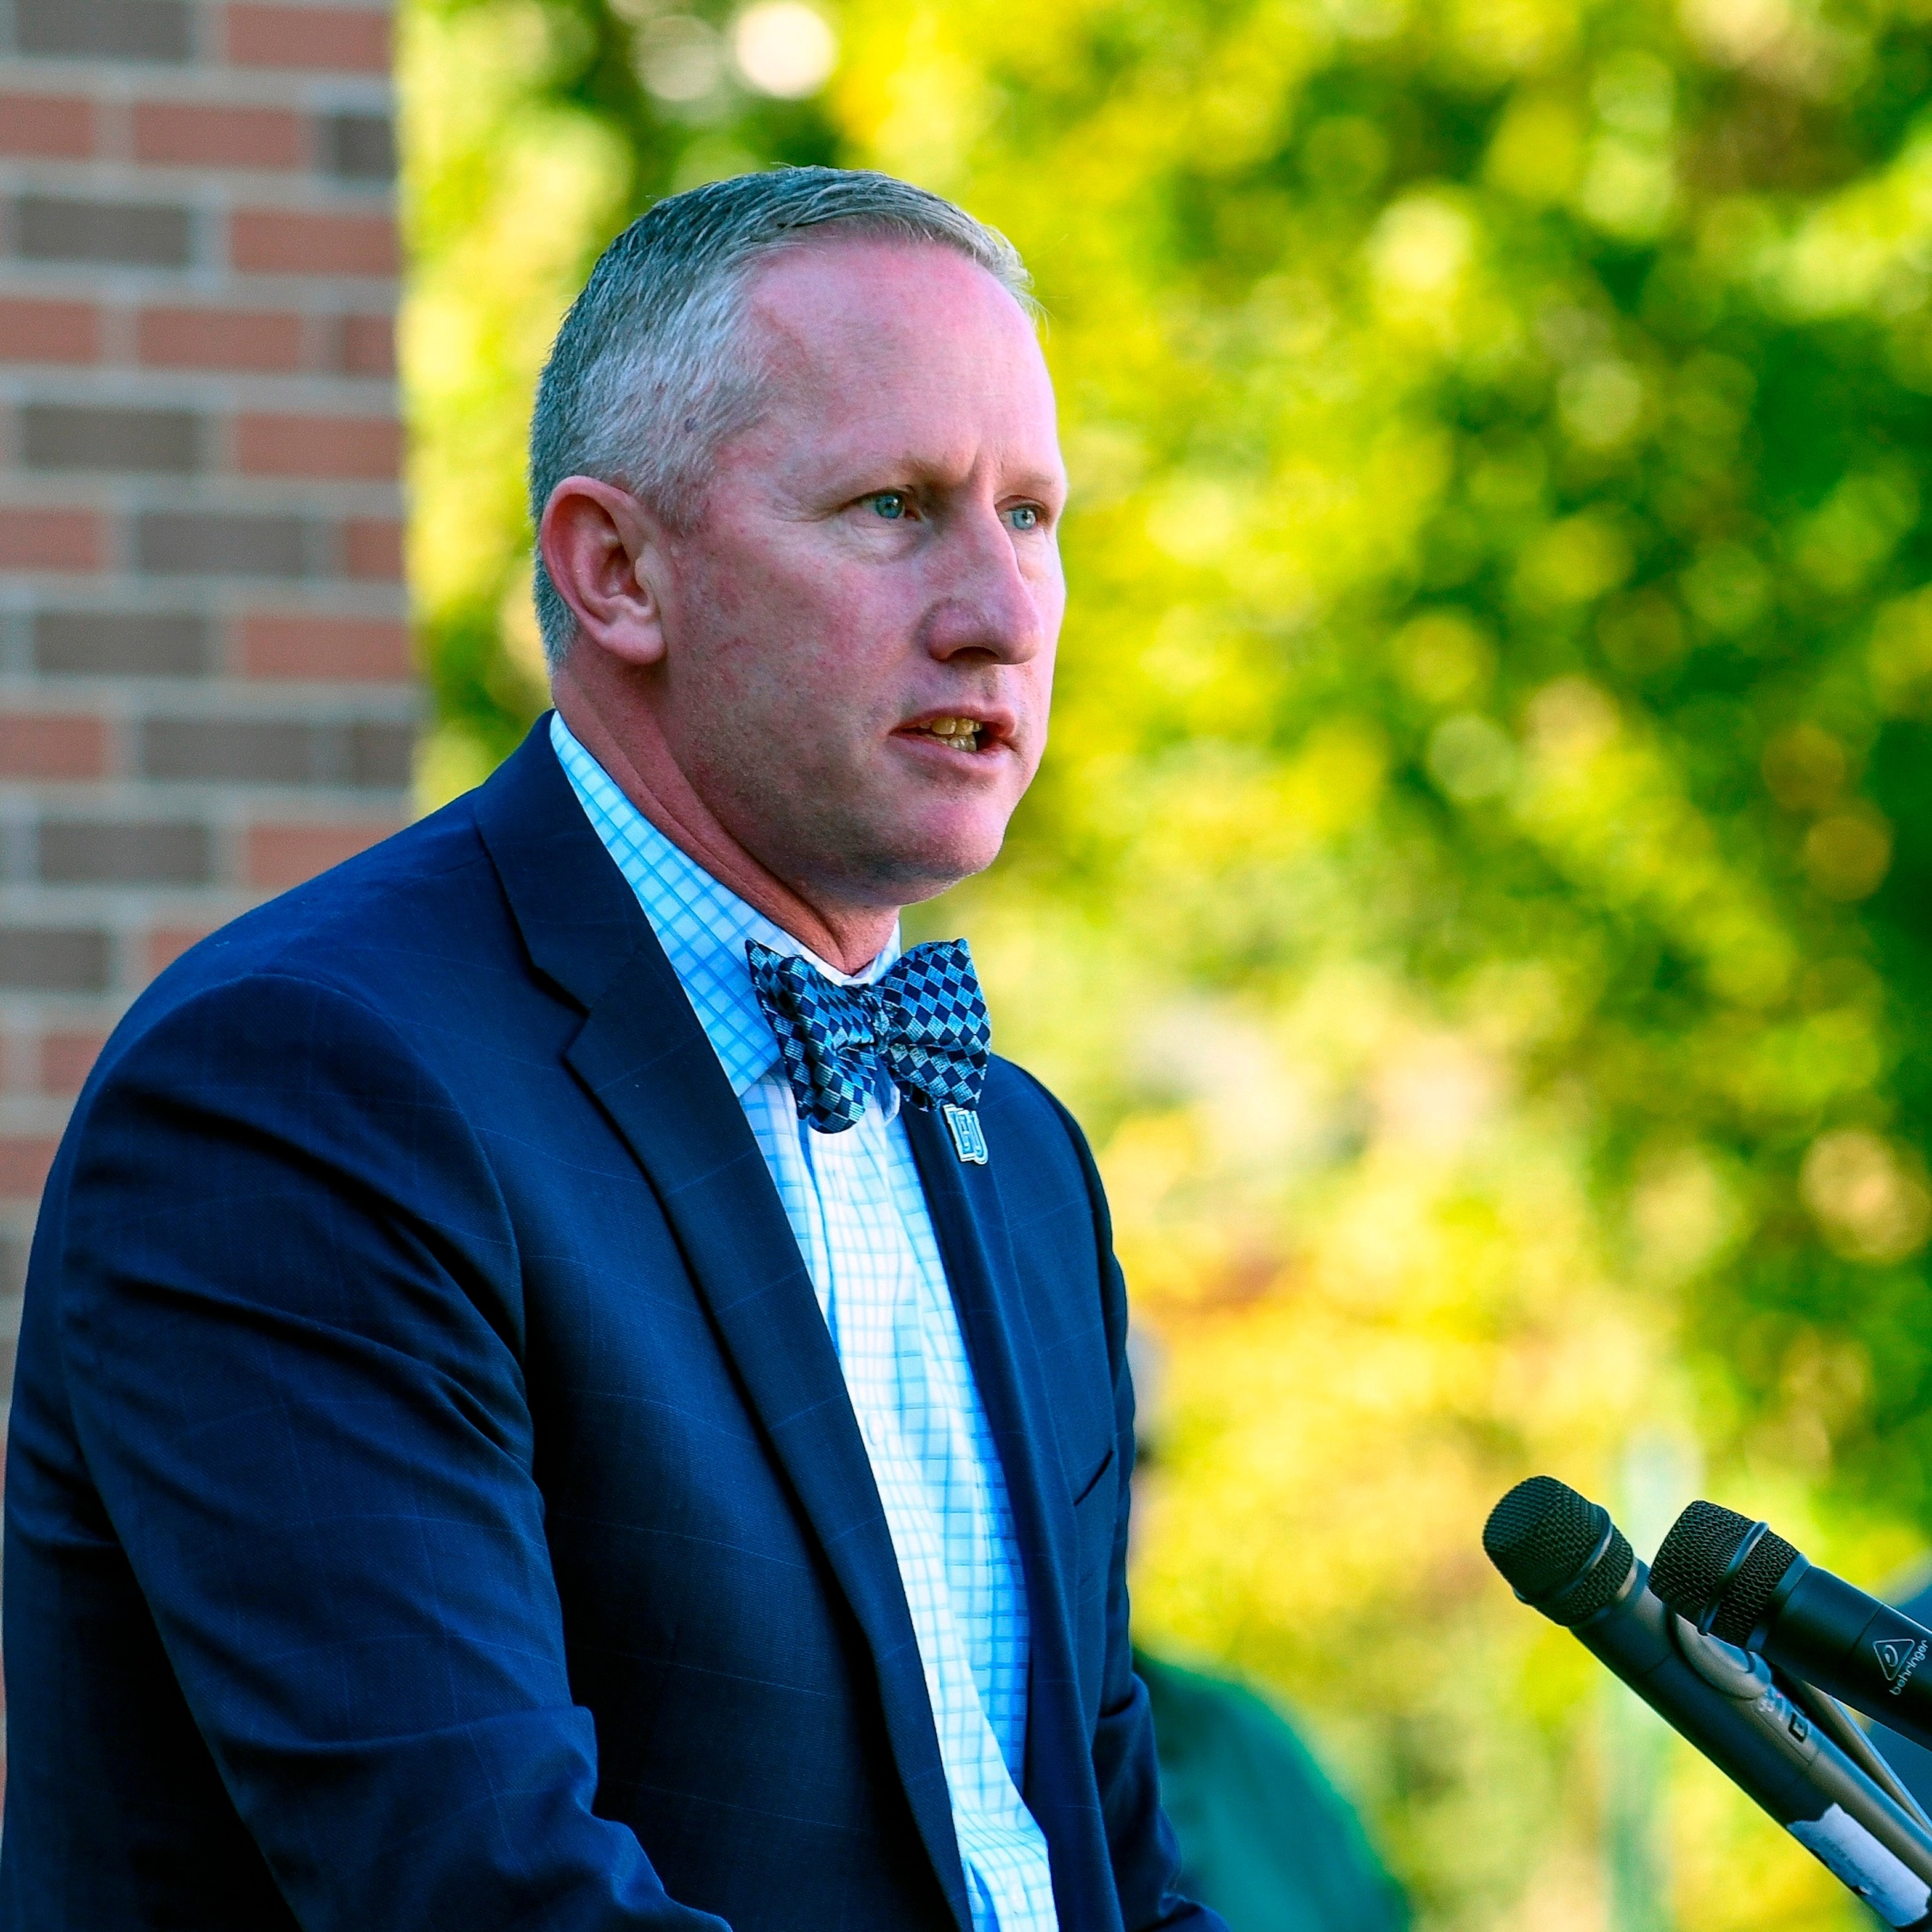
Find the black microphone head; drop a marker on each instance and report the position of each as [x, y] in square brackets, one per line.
[1692, 1572]
[1542, 1537]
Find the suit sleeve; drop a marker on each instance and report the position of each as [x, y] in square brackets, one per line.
[292, 1329]
[1146, 1859]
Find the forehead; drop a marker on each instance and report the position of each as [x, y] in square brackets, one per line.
[849, 326]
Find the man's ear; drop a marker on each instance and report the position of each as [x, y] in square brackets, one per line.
[605, 552]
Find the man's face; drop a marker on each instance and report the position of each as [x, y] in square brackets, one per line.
[877, 557]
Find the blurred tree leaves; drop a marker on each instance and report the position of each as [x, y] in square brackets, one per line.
[1480, 897]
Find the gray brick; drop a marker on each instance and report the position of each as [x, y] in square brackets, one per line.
[82, 852]
[53, 959]
[202, 543]
[382, 757]
[155, 30]
[278, 752]
[103, 643]
[58, 435]
[56, 228]
[16, 642]
[359, 147]
[251, 752]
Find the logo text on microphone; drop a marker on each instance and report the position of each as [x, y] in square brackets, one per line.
[1898, 1658]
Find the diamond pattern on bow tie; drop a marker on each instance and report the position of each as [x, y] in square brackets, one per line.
[922, 1023]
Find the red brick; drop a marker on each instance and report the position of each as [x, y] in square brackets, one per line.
[215, 338]
[35, 746]
[51, 540]
[167, 944]
[197, 134]
[48, 125]
[67, 1058]
[24, 1161]
[372, 548]
[354, 39]
[368, 345]
[285, 242]
[49, 331]
[332, 446]
[281, 856]
[372, 650]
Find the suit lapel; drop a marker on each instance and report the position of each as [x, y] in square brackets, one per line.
[644, 1056]
[975, 1242]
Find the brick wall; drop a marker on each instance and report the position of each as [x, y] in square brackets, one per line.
[205, 690]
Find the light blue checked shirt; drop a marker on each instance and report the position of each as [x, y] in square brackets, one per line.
[855, 1204]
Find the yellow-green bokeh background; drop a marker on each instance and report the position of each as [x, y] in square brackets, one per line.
[1479, 898]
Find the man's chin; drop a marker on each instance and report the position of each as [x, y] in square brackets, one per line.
[911, 872]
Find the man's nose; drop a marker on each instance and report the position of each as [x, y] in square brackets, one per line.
[982, 601]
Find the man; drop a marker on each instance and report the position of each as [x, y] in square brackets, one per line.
[559, 1388]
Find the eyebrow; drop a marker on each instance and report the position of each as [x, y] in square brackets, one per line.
[904, 466]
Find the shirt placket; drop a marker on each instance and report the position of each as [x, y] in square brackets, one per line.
[887, 1341]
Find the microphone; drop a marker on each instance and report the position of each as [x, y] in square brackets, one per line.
[1746, 1586]
[1563, 1556]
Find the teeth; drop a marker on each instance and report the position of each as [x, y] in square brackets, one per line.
[962, 734]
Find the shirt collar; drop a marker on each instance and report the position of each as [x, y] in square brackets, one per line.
[701, 924]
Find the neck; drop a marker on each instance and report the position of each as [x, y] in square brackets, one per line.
[640, 765]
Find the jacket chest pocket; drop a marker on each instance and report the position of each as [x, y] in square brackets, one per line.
[1094, 1513]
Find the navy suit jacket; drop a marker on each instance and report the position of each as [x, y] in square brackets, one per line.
[432, 1501]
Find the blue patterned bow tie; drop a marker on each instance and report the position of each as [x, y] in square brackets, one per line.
[923, 1022]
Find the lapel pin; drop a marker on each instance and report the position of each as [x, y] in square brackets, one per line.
[968, 1142]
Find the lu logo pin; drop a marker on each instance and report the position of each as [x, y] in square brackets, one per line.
[968, 1142]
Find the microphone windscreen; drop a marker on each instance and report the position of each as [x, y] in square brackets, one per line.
[1542, 1535]
[1691, 1561]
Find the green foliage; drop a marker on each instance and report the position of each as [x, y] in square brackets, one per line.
[1480, 896]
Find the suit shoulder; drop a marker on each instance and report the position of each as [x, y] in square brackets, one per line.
[1050, 1187]
[1022, 1103]
[411, 908]
[399, 891]
[1021, 1112]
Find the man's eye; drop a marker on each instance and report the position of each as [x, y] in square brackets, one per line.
[890, 504]
[1024, 517]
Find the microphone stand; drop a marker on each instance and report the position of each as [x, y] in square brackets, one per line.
[1830, 1717]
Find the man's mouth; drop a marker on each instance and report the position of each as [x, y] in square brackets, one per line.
[962, 734]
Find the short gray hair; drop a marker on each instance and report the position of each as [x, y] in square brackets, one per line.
[646, 378]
